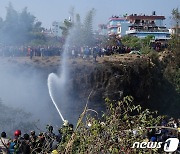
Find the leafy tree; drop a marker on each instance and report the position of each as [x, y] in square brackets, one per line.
[172, 64]
[176, 17]
[132, 42]
[88, 38]
[81, 34]
[78, 20]
[175, 41]
[109, 40]
[19, 28]
[66, 28]
[10, 25]
[147, 40]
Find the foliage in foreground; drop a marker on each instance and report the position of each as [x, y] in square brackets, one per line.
[113, 133]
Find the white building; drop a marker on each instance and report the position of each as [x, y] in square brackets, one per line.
[117, 26]
[144, 25]
[56, 30]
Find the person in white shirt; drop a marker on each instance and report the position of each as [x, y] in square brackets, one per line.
[4, 143]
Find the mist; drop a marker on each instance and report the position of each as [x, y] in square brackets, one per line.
[25, 88]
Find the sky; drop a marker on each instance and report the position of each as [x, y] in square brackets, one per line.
[48, 11]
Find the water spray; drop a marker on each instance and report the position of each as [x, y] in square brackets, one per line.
[64, 75]
[51, 95]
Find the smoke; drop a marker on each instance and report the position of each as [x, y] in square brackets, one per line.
[24, 87]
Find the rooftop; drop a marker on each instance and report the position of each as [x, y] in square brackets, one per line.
[145, 17]
[117, 18]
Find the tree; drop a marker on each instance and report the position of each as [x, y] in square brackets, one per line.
[81, 34]
[132, 42]
[26, 23]
[66, 28]
[19, 28]
[88, 39]
[10, 26]
[78, 20]
[176, 17]
[172, 70]
[175, 41]
[147, 40]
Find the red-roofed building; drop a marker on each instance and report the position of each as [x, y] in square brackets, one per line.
[117, 25]
[143, 25]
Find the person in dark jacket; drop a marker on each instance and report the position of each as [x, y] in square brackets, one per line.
[25, 145]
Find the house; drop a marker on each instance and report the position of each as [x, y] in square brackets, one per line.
[56, 30]
[144, 25]
[117, 26]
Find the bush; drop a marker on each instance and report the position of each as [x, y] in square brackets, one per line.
[113, 133]
[146, 50]
[153, 55]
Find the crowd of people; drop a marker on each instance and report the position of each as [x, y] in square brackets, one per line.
[73, 52]
[19, 51]
[168, 129]
[45, 142]
[49, 142]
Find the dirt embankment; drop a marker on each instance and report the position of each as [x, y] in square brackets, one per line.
[114, 77]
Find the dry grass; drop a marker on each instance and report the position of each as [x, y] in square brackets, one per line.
[56, 60]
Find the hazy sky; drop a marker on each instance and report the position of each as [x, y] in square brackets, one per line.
[48, 11]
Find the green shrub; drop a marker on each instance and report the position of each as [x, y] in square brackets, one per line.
[113, 133]
[146, 50]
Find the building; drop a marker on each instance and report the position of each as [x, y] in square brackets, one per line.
[102, 29]
[122, 28]
[48, 32]
[144, 25]
[117, 25]
[56, 30]
[175, 30]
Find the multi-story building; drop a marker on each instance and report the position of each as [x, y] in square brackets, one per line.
[117, 26]
[144, 25]
[56, 30]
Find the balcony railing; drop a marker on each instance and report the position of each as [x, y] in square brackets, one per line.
[144, 30]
